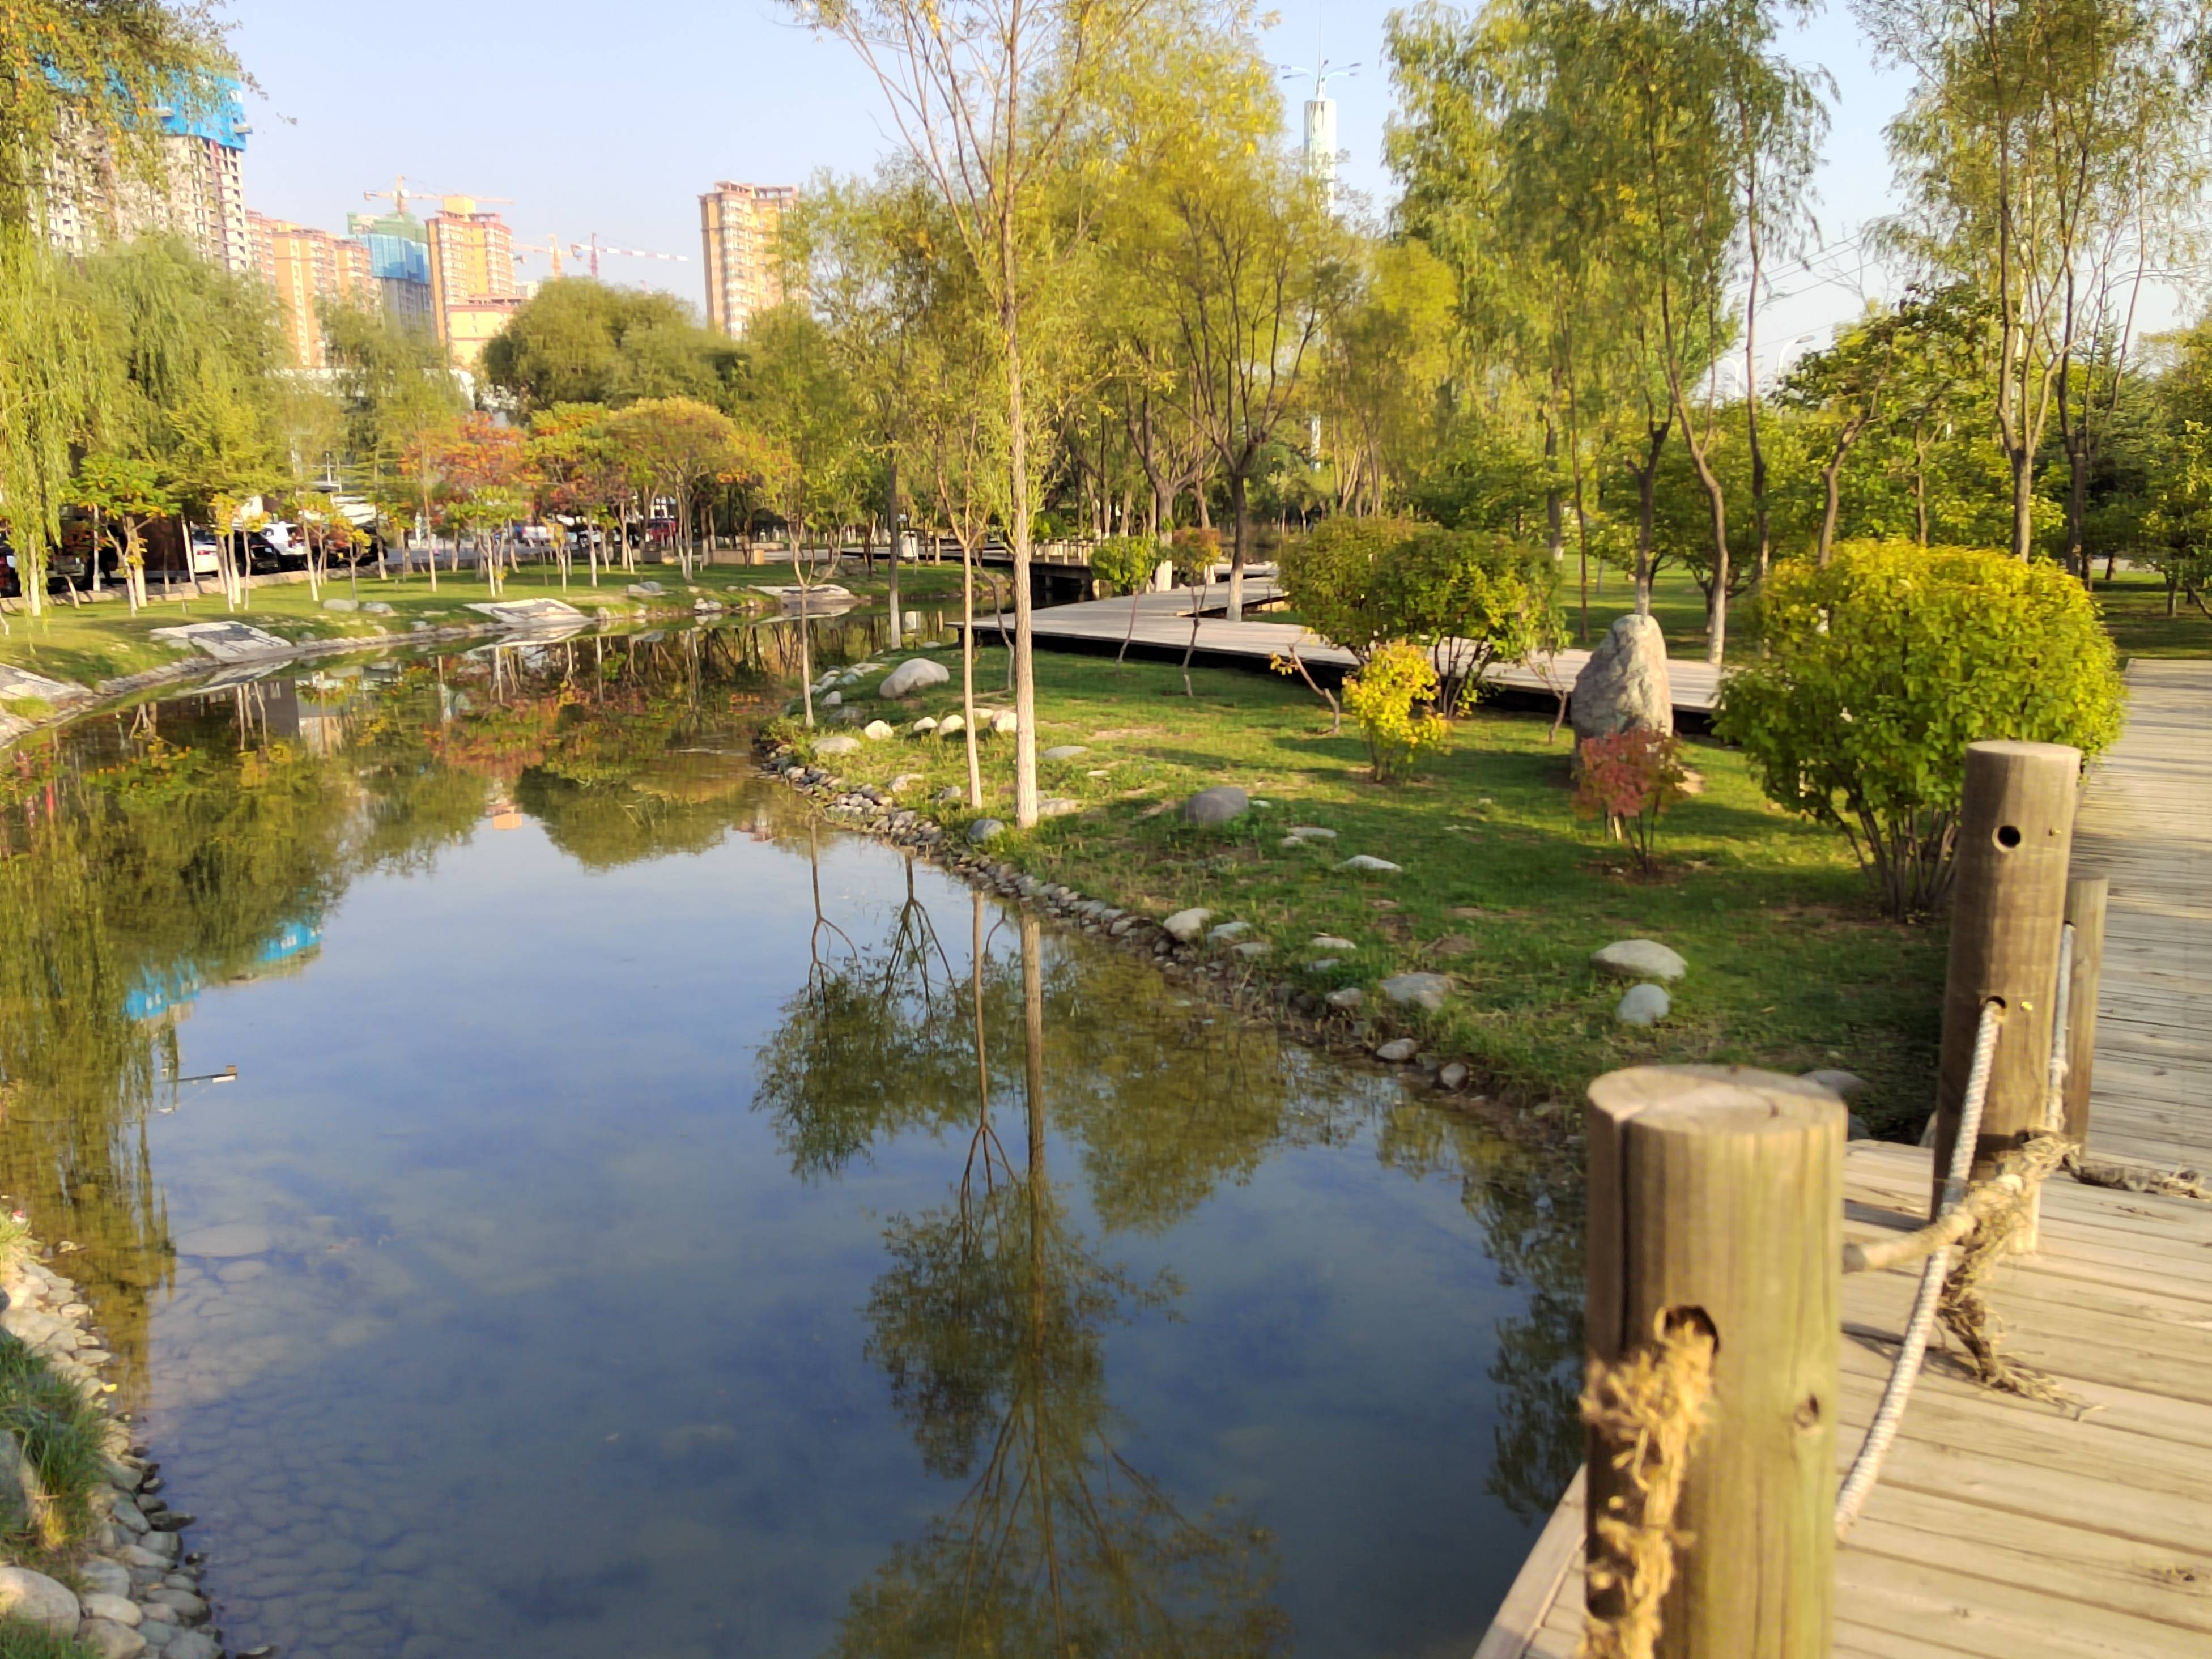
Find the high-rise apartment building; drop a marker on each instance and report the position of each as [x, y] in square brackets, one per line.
[472, 285]
[92, 196]
[308, 267]
[400, 263]
[741, 227]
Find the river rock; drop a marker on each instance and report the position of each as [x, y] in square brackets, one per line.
[952, 725]
[116, 1609]
[1229, 933]
[984, 830]
[1065, 751]
[906, 781]
[192, 1644]
[1331, 942]
[188, 1607]
[1004, 723]
[1323, 965]
[1845, 1083]
[922, 728]
[1624, 686]
[1416, 990]
[105, 1578]
[1452, 1075]
[1349, 998]
[1222, 804]
[837, 743]
[914, 674]
[340, 606]
[1058, 806]
[377, 608]
[952, 795]
[876, 730]
[1188, 926]
[1643, 1005]
[1362, 861]
[111, 1640]
[228, 1242]
[1640, 958]
[1307, 832]
[1397, 1051]
[38, 1600]
[645, 590]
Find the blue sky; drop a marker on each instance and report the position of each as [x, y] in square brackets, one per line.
[613, 119]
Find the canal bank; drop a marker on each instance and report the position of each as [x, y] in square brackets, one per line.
[98, 1556]
[1469, 910]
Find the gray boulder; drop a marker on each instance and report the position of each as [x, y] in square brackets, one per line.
[1227, 932]
[1368, 864]
[876, 730]
[111, 1640]
[1004, 723]
[1397, 1051]
[984, 830]
[38, 1600]
[912, 675]
[1348, 999]
[1416, 990]
[1640, 958]
[1188, 926]
[341, 605]
[1624, 686]
[1643, 1005]
[1453, 1075]
[1222, 804]
[836, 746]
[1058, 806]
[1331, 942]
[1064, 751]
[1845, 1083]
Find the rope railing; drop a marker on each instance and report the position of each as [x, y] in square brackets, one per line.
[1866, 1467]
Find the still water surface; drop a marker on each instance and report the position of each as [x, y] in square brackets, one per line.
[648, 1223]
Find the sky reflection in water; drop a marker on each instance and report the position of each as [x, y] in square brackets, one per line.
[650, 1267]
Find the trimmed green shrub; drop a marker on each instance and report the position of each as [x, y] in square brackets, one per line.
[1361, 583]
[1883, 667]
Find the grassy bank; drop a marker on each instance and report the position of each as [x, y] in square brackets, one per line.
[1501, 888]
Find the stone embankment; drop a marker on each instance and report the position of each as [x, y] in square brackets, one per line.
[1181, 946]
[138, 1590]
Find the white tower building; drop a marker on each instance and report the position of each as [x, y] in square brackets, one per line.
[1321, 118]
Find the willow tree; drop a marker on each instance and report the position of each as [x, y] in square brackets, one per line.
[52, 393]
[79, 80]
[2052, 153]
[986, 94]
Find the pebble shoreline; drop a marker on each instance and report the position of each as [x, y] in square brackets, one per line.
[142, 1592]
[1320, 1020]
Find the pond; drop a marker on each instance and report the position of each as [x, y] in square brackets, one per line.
[646, 1220]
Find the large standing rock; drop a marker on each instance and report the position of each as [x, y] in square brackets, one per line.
[912, 675]
[38, 1600]
[1624, 686]
[1218, 804]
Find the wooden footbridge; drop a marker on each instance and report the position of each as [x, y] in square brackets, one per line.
[2005, 1527]
[1157, 627]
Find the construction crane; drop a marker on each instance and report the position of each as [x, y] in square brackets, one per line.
[400, 195]
[550, 247]
[592, 249]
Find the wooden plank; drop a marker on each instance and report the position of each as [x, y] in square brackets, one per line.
[1558, 1548]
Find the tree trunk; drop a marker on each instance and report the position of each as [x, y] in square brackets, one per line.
[1025, 782]
[1240, 504]
[968, 674]
[892, 513]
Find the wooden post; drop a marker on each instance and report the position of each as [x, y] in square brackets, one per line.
[2015, 835]
[1720, 1190]
[2085, 909]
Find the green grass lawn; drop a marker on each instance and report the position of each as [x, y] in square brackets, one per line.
[2134, 603]
[1790, 965]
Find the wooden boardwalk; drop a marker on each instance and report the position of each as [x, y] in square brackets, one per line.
[1163, 630]
[2001, 1528]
